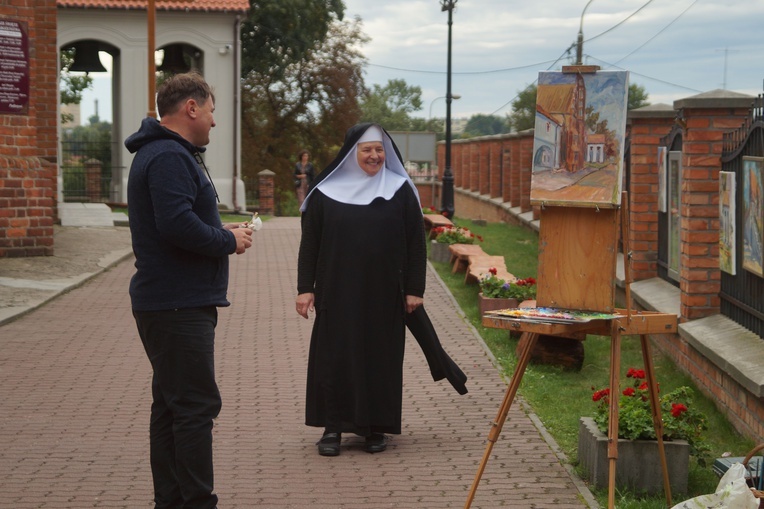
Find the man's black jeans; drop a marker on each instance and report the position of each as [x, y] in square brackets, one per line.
[180, 344]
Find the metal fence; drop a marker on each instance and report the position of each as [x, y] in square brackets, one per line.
[743, 155]
[88, 171]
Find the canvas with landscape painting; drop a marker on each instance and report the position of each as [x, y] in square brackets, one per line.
[579, 138]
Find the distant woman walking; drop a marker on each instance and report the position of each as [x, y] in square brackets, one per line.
[303, 176]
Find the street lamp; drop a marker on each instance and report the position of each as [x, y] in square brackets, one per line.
[447, 197]
[580, 43]
[453, 96]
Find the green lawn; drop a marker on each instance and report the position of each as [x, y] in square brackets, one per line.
[560, 410]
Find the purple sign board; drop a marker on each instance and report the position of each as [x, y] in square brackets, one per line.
[14, 67]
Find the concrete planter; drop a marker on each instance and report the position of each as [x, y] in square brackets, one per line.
[439, 252]
[638, 468]
[492, 304]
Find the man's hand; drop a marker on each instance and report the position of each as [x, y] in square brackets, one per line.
[243, 238]
[304, 303]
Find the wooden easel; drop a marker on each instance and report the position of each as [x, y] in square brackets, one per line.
[577, 269]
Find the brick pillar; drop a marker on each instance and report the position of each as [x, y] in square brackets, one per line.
[515, 187]
[93, 180]
[495, 166]
[457, 168]
[29, 138]
[648, 126]
[474, 165]
[705, 117]
[484, 169]
[266, 186]
[526, 159]
[506, 169]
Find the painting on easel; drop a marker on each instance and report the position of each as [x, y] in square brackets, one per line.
[579, 138]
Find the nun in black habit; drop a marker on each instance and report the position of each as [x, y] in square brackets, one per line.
[361, 266]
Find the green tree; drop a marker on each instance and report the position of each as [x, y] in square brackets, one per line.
[482, 125]
[279, 33]
[309, 104]
[71, 86]
[391, 106]
[523, 114]
[637, 97]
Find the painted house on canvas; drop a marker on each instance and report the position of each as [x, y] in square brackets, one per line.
[578, 138]
[560, 111]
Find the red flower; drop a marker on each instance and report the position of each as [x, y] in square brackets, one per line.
[432, 208]
[530, 281]
[677, 409]
[643, 386]
[493, 271]
[635, 373]
[629, 391]
[602, 393]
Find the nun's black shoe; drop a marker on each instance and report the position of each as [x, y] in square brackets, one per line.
[329, 445]
[376, 442]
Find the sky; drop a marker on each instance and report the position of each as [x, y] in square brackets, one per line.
[673, 48]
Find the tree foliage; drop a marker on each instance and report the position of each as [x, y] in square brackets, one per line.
[637, 97]
[71, 85]
[279, 33]
[483, 125]
[308, 104]
[391, 106]
[523, 114]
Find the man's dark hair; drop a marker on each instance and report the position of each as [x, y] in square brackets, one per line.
[179, 88]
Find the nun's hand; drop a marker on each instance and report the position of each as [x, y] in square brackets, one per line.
[413, 302]
[304, 303]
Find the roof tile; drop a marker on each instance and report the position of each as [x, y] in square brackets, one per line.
[161, 5]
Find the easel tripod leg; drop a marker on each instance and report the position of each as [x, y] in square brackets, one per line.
[655, 406]
[612, 429]
[509, 396]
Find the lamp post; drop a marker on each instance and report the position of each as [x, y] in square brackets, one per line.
[580, 43]
[447, 196]
[453, 96]
[152, 67]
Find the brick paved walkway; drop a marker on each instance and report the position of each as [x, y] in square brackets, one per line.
[75, 395]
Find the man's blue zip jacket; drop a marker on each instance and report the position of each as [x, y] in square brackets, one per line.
[180, 245]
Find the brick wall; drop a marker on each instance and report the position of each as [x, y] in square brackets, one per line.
[28, 142]
[705, 120]
[744, 410]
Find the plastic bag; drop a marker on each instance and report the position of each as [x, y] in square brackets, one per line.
[731, 493]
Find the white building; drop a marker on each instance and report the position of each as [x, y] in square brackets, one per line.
[205, 31]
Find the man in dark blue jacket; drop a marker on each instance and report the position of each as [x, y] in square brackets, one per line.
[181, 250]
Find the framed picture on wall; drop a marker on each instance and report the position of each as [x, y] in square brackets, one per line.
[662, 162]
[727, 222]
[753, 218]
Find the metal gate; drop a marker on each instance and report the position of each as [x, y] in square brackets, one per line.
[742, 293]
[668, 235]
